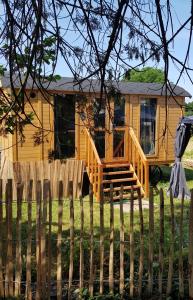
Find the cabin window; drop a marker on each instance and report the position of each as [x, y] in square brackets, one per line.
[119, 111]
[99, 113]
[148, 125]
[64, 126]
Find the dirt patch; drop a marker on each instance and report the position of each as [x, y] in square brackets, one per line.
[126, 205]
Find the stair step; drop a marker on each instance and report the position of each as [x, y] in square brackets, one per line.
[119, 180]
[115, 189]
[116, 165]
[126, 196]
[118, 172]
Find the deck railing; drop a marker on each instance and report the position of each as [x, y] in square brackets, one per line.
[93, 165]
[139, 161]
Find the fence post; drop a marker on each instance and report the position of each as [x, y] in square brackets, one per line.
[28, 292]
[141, 258]
[121, 283]
[91, 241]
[171, 252]
[9, 261]
[49, 239]
[161, 242]
[38, 237]
[71, 238]
[111, 250]
[181, 271]
[151, 242]
[1, 238]
[190, 249]
[81, 283]
[131, 245]
[59, 242]
[101, 240]
[18, 267]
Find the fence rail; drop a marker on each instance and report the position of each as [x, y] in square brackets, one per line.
[51, 247]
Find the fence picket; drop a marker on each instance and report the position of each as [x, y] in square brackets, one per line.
[43, 239]
[101, 287]
[18, 267]
[9, 261]
[181, 271]
[131, 234]
[111, 252]
[141, 257]
[81, 283]
[49, 239]
[161, 242]
[28, 292]
[122, 246]
[71, 266]
[91, 277]
[190, 249]
[1, 241]
[59, 242]
[38, 237]
[171, 252]
[151, 242]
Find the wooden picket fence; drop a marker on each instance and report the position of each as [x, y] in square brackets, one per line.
[48, 256]
[66, 170]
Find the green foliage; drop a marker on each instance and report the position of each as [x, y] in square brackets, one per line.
[147, 74]
[189, 109]
[2, 70]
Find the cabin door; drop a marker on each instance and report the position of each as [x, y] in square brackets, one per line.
[117, 135]
[110, 131]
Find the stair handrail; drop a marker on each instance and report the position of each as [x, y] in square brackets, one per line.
[136, 142]
[93, 147]
[94, 165]
[143, 176]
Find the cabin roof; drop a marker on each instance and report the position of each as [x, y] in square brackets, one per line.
[67, 84]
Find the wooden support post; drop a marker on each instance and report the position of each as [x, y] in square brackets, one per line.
[111, 250]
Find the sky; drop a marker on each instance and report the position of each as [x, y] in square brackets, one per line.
[181, 12]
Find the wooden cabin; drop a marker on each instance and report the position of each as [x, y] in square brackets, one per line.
[118, 139]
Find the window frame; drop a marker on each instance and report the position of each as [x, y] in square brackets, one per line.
[141, 98]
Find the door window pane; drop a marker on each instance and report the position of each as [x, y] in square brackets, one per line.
[99, 113]
[118, 143]
[64, 126]
[119, 111]
[148, 125]
[99, 138]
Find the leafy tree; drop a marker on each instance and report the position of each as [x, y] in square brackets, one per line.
[147, 74]
[93, 39]
[189, 109]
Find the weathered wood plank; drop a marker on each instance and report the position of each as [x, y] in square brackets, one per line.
[141, 256]
[190, 249]
[71, 266]
[91, 276]
[101, 286]
[181, 268]
[151, 243]
[171, 252]
[28, 291]
[1, 241]
[9, 260]
[131, 238]
[122, 245]
[59, 242]
[111, 250]
[161, 243]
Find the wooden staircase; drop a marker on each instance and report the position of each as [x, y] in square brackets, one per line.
[120, 175]
[130, 174]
